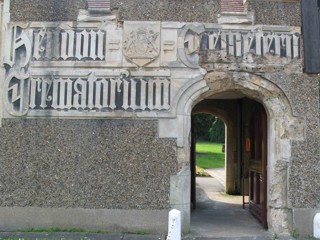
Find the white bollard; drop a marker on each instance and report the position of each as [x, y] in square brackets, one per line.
[316, 226]
[174, 226]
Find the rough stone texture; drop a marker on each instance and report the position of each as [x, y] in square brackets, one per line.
[85, 163]
[48, 10]
[163, 10]
[276, 13]
[168, 10]
[304, 184]
[266, 12]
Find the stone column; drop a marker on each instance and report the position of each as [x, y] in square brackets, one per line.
[180, 188]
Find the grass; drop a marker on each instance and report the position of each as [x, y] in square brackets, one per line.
[40, 238]
[209, 155]
[51, 230]
[56, 229]
[85, 233]
[19, 238]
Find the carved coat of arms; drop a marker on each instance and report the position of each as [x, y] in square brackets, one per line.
[141, 44]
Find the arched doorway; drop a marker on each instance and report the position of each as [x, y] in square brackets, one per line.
[279, 135]
[246, 150]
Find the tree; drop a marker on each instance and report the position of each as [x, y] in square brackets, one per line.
[217, 131]
[209, 128]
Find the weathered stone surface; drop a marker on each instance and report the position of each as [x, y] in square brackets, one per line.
[49, 10]
[276, 13]
[167, 10]
[164, 10]
[266, 12]
[85, 163]
[281, 219]
[304, 172]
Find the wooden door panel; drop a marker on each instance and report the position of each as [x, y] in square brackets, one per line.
[258, 166]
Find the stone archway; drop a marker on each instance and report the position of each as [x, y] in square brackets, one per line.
[283, 127]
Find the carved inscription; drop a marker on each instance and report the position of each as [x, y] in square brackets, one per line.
[56, 44]
[259, 43]
[68, 45]
[91, 93]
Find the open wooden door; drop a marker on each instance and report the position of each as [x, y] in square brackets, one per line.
[258, 165]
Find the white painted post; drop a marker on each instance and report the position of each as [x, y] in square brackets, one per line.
[316, 226]
[174, 226]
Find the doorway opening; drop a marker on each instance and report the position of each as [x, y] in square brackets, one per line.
[238, 202]
[208, 150]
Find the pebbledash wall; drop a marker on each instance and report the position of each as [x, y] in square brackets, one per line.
[95, 110]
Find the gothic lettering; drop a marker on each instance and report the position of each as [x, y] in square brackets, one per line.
[99, 94]
[260, 43]
[68, 45]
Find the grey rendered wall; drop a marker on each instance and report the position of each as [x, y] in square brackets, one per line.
[266, 12]
[276, 12]
[94, 164]
[303, 92]
[41, 10]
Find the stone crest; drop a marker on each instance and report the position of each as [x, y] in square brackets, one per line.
[141, 44]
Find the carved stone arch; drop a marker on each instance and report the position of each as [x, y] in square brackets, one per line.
[283, 127]
[254, 86]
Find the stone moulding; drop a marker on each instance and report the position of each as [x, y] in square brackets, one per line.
[43, 62]
[280, 137]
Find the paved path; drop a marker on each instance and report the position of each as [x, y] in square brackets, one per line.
[219, 174]
[221, 216]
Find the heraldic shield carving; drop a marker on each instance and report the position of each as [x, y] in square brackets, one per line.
[141, 42]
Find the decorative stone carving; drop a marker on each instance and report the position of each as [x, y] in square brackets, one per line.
[56, 44]
[20, 42]
[58, 69]
[17, 93]
[98, 94]
[68, 44]
[17, 79]
[188, 48]
[141, 44]
[259, 43]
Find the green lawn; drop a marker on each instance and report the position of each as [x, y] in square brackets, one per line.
[209, 155]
